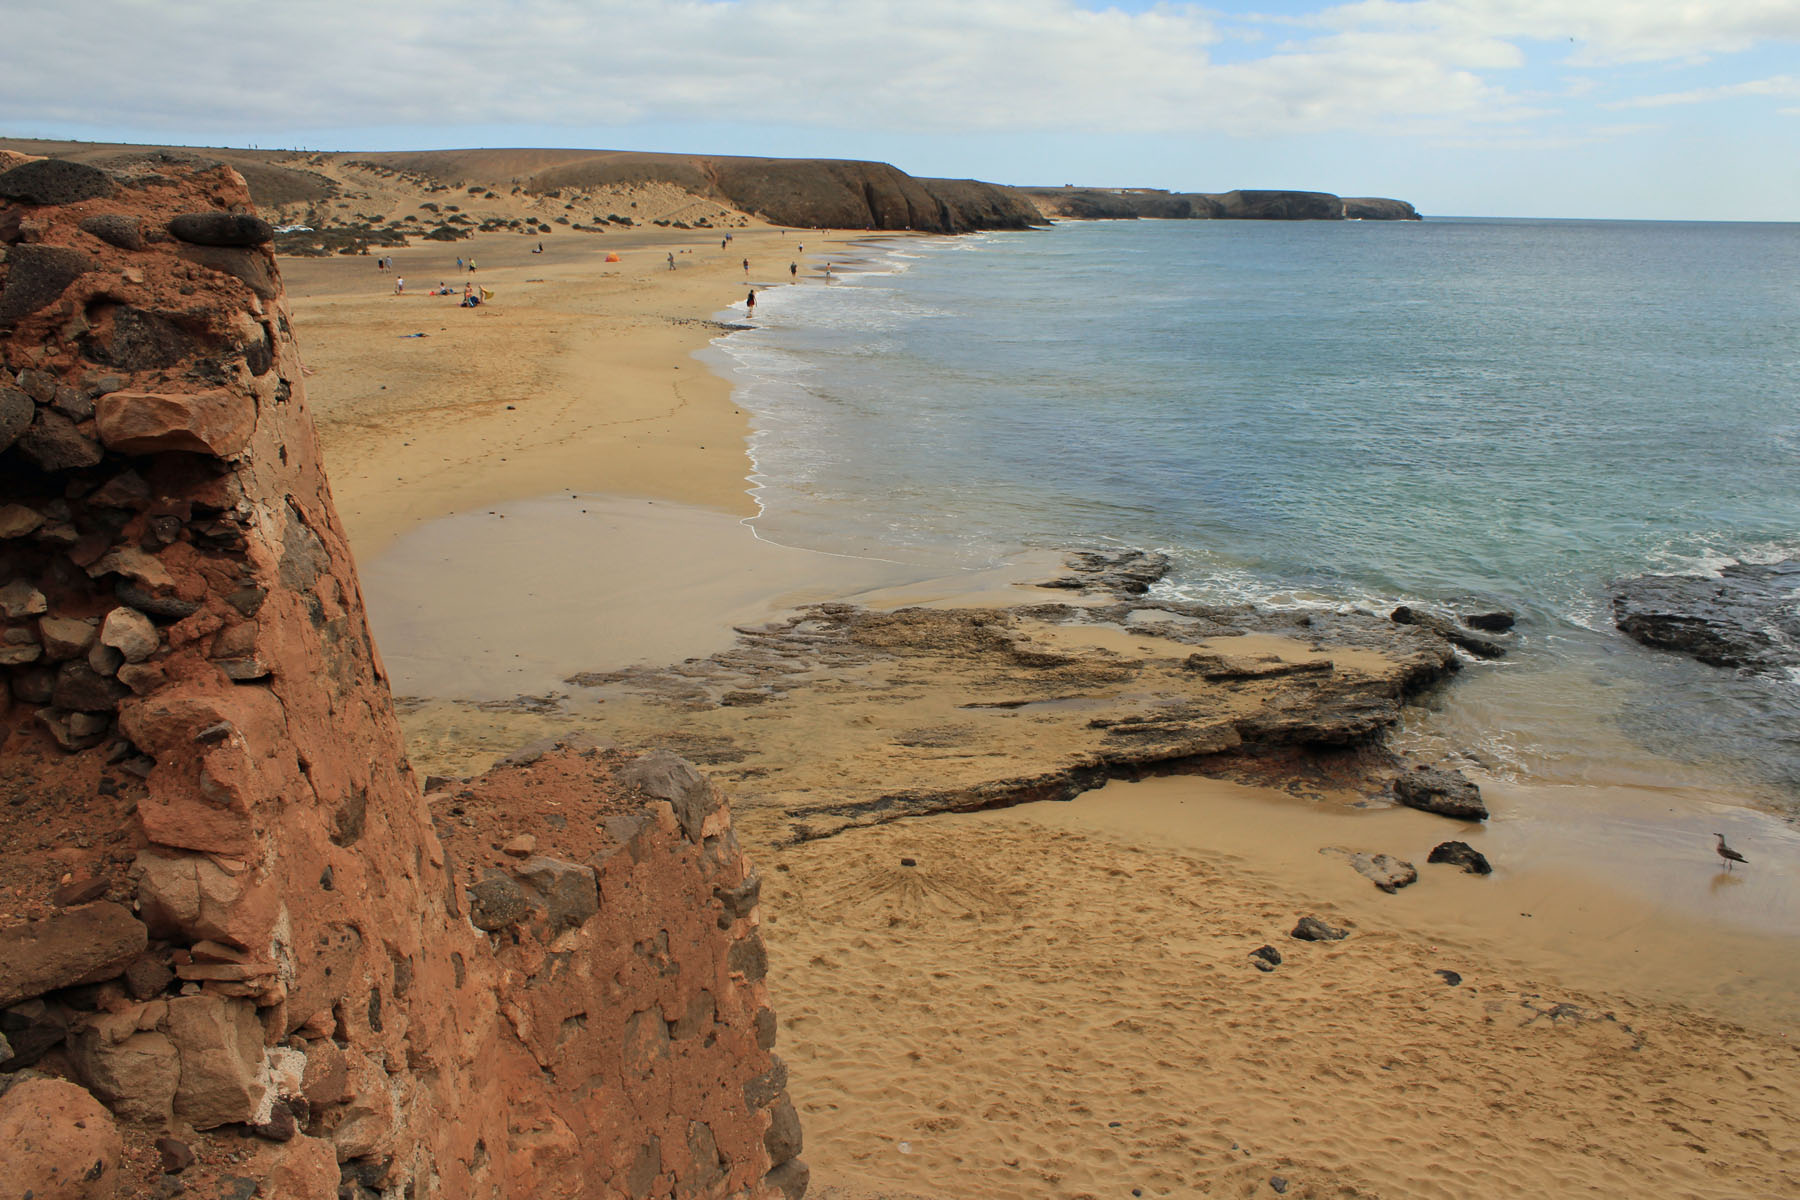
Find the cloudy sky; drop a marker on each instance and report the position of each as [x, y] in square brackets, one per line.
[1682, 109]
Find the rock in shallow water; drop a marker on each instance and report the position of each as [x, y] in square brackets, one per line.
[1748, 616]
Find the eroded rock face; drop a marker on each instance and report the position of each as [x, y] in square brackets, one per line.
[195, 724]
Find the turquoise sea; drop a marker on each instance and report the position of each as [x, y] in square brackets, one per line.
[1452, 411]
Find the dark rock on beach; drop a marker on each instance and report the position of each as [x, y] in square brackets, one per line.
[1747, 617]
[1461, 854]
[1311, 929]
[1435, 790]
[1120, 572]
[1265, 958]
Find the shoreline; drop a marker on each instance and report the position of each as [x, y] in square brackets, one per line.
[860, 997]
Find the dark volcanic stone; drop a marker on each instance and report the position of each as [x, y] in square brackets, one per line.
[115, 229]
[16, 411]
[1461, 854]
[141, 341]
[1450, 977]
[1446, 793]
[221, 229]
[1498, 621]
[670, 777]
[170, 608]
[1747, 617]
[55, 444]
[177, 1156]
[81, 689]
[497, 902]
[783, 1138]
[1311, 929]
[36, 277]
[251, 266]
[55, 181]
[1265, 958]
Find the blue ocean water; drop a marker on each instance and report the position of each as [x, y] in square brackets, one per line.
[1509, 412]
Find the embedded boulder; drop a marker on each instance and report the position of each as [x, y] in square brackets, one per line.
[218, 422]
[75, 946]
[60, 1143]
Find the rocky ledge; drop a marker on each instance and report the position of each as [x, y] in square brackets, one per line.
[841, 716]
[1748, 616]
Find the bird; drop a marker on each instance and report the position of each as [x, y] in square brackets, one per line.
[1728, 854]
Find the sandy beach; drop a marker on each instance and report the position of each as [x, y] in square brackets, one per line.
[1054, 999]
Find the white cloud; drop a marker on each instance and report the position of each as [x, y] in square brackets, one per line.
[1602, 31]
[1775, 85]
[906, 66]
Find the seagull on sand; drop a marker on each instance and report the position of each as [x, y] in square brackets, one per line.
[1728, 854]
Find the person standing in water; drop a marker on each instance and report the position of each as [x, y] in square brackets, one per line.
[750, 304]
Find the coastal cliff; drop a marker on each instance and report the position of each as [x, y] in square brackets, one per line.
[1078, 203]
[350, 202]
[243, 952]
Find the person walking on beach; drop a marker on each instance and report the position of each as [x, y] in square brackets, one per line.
[459, 265]
[750, 304]
[746, 266]
[671, 260]
[793, 270]
[399, 286]
[471, 266]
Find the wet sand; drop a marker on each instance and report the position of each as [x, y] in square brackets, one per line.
[1055, 1000]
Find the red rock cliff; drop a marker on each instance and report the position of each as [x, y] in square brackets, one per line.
[225, 913]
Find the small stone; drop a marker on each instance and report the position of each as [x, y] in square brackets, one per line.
[64, 638]
[665, 776]
[19, 600]
[39, 385]
[221, 229]
[1461, 854]
[55, 444]
[56, 181]
[1450, 977]
[177, 1155]
[1265, 958]
[104, 660]
[148, 976]
[496, 903]
[79, 891]
[280, 1127]
[124, 490]
[1386, 872]
[72, 404]
[1279, 1184]
[20, 655]
[1498, 621]
[1311, 929]
[80, 689]
[16, 411]
[522, 846]
[131, 633]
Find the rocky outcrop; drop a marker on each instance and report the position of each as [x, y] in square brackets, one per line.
[1748, 616]
[865, 195]
[231, 915]
[1377, 208]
